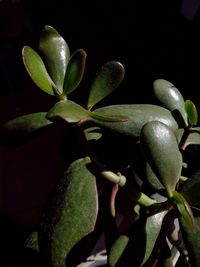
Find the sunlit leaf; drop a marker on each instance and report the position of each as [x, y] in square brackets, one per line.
[107, 79]
[68, 111]
[37, 70]
[170, 97]
[134, 247]
[161, 149]
[191, 112]
[55, 53]
[24, 125]
[136, 116]
[184, 209]
[75, 71]
[70, 215]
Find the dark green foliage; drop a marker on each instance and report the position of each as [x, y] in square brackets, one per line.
[139, 150]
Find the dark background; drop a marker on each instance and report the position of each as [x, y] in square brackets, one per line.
[152, 39]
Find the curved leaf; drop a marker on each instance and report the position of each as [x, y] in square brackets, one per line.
[191, 188]
[24, 125]
[192, 139]
[106, 81]
[184, 209]
[136, 115]
[37, 70]
[70, 215]
[170, 97]
[135, 246]
[191, 112]
[152, 178]
[55, 52]
[161, 149]
[75, 71]
[69, 111]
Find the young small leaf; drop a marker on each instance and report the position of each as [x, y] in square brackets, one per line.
[68, 111]
[75, 71]
[170, 97]
[106, 81]
[161, 150]
[191, 112]
[55, 52]
[37, 70]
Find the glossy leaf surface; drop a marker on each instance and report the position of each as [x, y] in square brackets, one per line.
[75, 71]
[70, 215]
[191, 112]
[184, 209]
[152, 178]
[137, 115]
[192, 139]
[67, 110]
[37, 70]
[135, 246]
[192, 240]
[55, 53]
[106, 81]
[170, 97]
[162, 152]
[25, 124]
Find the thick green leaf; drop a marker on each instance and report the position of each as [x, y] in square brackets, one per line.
[192, 139]
[75, 71]
[70, 215]
[55, 52]
[135, 246]
[24, 125]
[191, 188]
[184, 209]
[192, 241]
[136, 115]
[69, 111]
[170, 97]
[106, 81]
[93, 133]
[191, 112]
[152, 178]
[37, 70]
[161, 149]
[32, 241]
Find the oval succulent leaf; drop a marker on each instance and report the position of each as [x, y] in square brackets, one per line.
[161, 150]
[170, 97]
[136, 116]
[24, 125]
[75, 71]
[192, 139]
[70, 215]
[37, 70]
[68, 111]
[191, 112]
[140, 238]
[55, 53]
[107, 79]
[184, 209]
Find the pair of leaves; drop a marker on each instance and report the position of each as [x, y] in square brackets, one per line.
[59, 74]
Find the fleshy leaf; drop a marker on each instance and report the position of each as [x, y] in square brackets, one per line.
[152, 178]
[93, 133]
[136, 115]
[161, 150]
[32, 241]
[184, 209]
[55, 53]
[70, 215]
[75, 71]
[192, 240]
[37, 70]
[192, 139]
[191, 112]
[140, 238]
[24, 125]
[108, 78]
[191, 188]
[69, 111]
[170, 97]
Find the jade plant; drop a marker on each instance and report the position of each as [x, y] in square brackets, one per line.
[129, 175]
